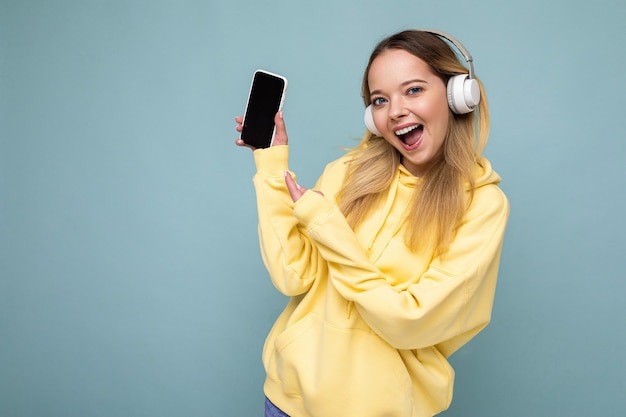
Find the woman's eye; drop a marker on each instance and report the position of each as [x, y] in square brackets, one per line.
[415, 90]
[378, 101]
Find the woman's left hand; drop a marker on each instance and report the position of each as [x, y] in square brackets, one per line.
[296, 190]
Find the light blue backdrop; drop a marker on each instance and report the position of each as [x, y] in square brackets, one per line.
[131, 282]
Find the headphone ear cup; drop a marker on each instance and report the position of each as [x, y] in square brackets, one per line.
[369, 121]
[463, 93]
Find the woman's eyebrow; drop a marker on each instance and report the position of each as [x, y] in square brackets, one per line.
[416, 80]
[404, 84]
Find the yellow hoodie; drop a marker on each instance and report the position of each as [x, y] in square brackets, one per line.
[369, 324]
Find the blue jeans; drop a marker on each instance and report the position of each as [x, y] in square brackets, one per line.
[272, 411]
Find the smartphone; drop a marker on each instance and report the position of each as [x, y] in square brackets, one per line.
[267, 93]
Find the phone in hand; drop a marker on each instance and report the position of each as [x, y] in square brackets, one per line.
[267, 93]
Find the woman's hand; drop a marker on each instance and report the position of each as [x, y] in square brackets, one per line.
[296, 190]
[280, 134]
[280, 138]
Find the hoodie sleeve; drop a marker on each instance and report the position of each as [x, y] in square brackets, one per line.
[450, 302]
[287, 251]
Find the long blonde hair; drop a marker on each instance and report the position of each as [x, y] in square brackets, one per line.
[439, 205]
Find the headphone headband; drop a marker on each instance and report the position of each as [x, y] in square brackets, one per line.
[454, 41]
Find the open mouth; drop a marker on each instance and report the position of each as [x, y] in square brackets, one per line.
[411, 136]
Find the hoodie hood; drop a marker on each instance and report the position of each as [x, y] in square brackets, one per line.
[392, 214]
[485, 175]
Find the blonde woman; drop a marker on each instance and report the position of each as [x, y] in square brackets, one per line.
[391, 260]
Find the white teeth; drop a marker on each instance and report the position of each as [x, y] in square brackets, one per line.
[406, 130]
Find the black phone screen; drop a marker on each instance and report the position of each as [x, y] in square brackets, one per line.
[264, 101]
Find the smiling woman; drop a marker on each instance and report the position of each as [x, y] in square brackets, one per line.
[382, 295]
[131, 282]
[421, 74]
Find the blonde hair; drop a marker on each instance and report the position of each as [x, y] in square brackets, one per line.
[439, 205]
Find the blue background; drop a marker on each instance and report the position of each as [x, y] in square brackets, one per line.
[131, 281]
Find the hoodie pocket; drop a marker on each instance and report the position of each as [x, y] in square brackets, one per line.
[341, 371]
[283, 340]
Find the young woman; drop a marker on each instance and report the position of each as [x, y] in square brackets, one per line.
[391, 260]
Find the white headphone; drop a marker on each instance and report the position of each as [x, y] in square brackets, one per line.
[462, 90]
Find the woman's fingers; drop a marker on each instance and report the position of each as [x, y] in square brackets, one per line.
[239, 128]
[295, 190]
[280, 134]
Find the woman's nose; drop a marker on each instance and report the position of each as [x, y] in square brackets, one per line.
[397, 109]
